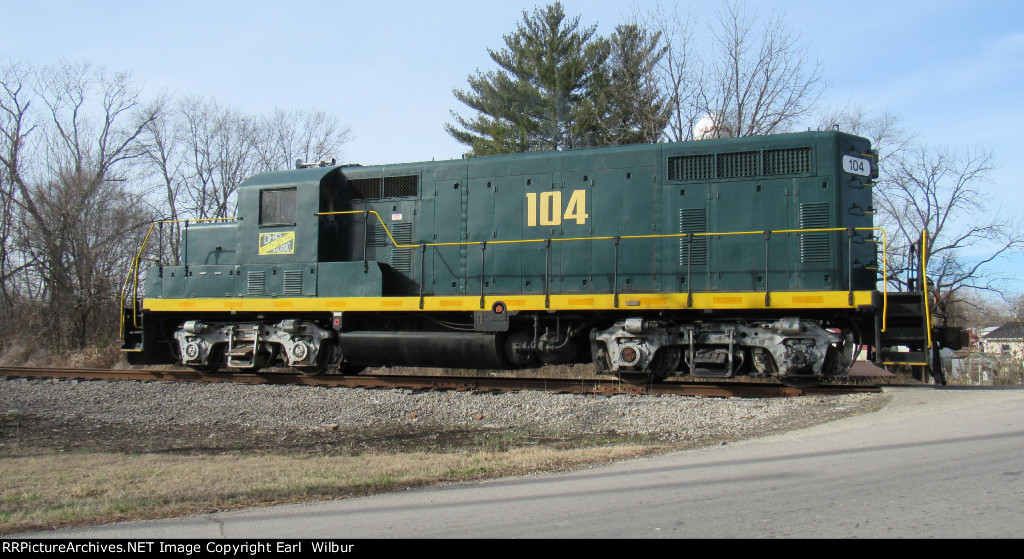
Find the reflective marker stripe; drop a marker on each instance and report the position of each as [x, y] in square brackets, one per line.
[780, 300]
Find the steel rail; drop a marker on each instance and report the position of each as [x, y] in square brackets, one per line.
[476, 384]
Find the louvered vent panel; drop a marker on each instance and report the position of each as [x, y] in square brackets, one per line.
[691, 167]
[293, 282]
[401, 258]
[375, 234]
[693, 221]
[256, 283]
[363, 188]
[787, 161]
[815, 247]
[738, 164]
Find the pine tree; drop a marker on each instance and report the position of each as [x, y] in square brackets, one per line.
[538, 98]
[638, 111]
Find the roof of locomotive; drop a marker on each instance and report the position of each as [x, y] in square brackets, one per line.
[546, 161]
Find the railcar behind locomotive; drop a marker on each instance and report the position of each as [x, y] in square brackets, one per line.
[714, 258]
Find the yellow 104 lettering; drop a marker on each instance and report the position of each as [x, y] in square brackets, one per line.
[546, 208]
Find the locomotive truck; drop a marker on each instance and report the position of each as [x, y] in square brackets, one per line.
[715, 258]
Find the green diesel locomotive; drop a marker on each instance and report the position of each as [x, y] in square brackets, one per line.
[710, 258]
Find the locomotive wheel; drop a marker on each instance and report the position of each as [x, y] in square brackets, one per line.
[314, 370]
[207, 369]
[665, 362]
[349, 370]
[214, 361]
[324, 360]
[266, 358]
[636, 377]
[800, 382]
[839, 358]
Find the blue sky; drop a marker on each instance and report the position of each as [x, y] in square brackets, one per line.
[953, 70]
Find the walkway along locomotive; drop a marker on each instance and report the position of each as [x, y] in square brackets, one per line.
[713, 258]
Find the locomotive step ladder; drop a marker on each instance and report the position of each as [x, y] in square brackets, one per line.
[907, 340]
[237, 354]
[131, 335]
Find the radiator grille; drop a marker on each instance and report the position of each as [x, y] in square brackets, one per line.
[386, 187]
[738, 164]
[787, 161]
[770, 162]
[363, 188]
[691, 167]
[396, 187]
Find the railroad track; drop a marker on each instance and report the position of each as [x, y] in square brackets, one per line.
[479, 384]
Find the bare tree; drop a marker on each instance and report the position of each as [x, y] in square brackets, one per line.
[758, 81]
[78, 215]
[16, 127]
[86, 165]
[979, 309]
[887, 136]
[221, 147]
[940, 191]
[308, 134]
[678, 71]
[220, 143]
[162, 163]
[756, 78]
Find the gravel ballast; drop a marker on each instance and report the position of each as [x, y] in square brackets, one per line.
[165, 416]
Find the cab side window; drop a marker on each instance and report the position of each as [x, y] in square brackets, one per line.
[277, 206]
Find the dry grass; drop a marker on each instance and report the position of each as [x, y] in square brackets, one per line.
[42, 492]
[19, 353]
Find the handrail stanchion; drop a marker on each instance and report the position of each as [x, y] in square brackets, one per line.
[767, 259]
[849, 260]
[366, 265]
[689, 270]
[483, 270]
[547, 273]
[615, 276]
[423, 254]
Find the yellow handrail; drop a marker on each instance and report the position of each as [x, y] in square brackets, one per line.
[885, 249]
[924, 287]
[133, 270]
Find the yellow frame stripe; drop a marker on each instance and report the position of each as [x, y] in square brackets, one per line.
[714, 301]
[562, 301]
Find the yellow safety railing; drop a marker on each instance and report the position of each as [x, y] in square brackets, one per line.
[885, 258]
[133, 276]
[924, 287]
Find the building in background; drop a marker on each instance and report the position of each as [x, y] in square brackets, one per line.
[1007, 339]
